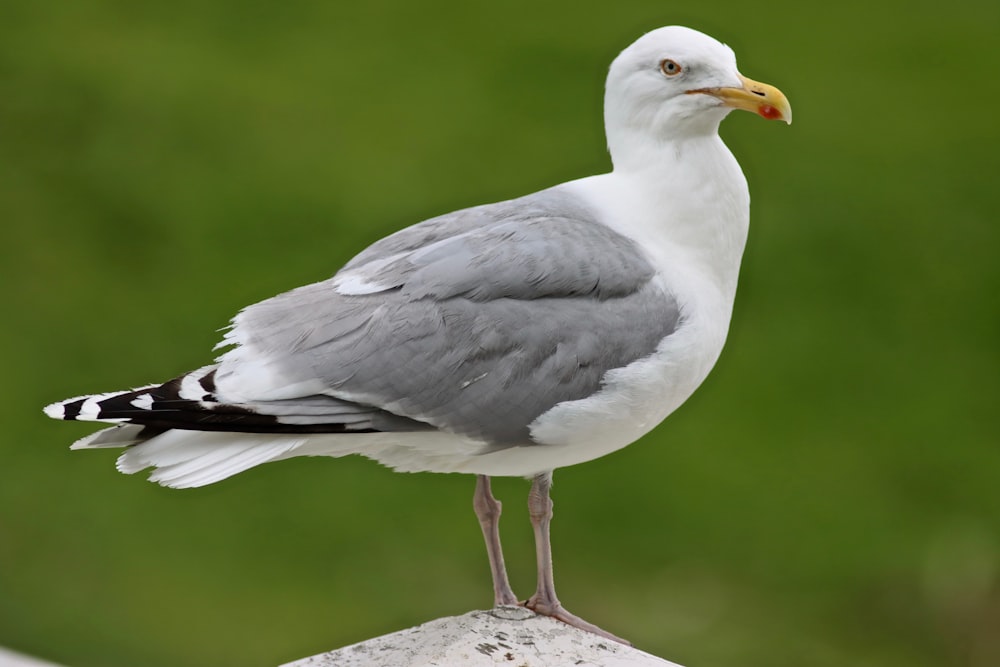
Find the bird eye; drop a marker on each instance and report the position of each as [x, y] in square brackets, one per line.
[670, 67]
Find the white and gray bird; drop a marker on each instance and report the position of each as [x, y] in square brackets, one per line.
[506, 339]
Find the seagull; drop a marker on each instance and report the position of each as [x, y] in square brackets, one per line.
[507, 339]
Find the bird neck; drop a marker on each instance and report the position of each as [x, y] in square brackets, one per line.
[694, 199]
[637, 141]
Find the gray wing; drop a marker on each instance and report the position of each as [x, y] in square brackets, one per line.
[476, 322]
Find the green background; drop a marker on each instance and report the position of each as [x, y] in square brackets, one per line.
[829, 497]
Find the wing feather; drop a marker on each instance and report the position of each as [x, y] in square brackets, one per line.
[475, 323]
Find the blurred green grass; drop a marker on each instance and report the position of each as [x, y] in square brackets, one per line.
[828, 497]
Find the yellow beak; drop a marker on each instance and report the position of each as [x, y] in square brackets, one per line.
[760, 98]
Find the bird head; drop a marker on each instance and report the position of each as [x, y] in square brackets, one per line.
[676, 82]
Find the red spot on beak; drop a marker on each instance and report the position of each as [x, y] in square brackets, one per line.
[769, 112]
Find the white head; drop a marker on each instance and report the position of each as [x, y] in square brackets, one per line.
[674, 83]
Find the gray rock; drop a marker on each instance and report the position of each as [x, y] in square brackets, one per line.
[512, 636]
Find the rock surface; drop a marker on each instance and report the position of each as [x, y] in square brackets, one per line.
[512, 636]
[9, 658]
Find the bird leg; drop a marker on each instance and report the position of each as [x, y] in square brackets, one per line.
[488, 510]
[544, 601]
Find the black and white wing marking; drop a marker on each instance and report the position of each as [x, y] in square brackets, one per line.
[474, 323]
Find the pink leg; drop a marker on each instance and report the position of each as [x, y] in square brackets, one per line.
[544, 601]
[488, 510]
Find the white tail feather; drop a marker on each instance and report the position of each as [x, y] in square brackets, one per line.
[186, 459]
[123, 435]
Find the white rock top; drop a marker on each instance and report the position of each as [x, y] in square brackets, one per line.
[9, 658]
[512, 636]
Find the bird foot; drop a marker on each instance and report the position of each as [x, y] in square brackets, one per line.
[557, 612]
